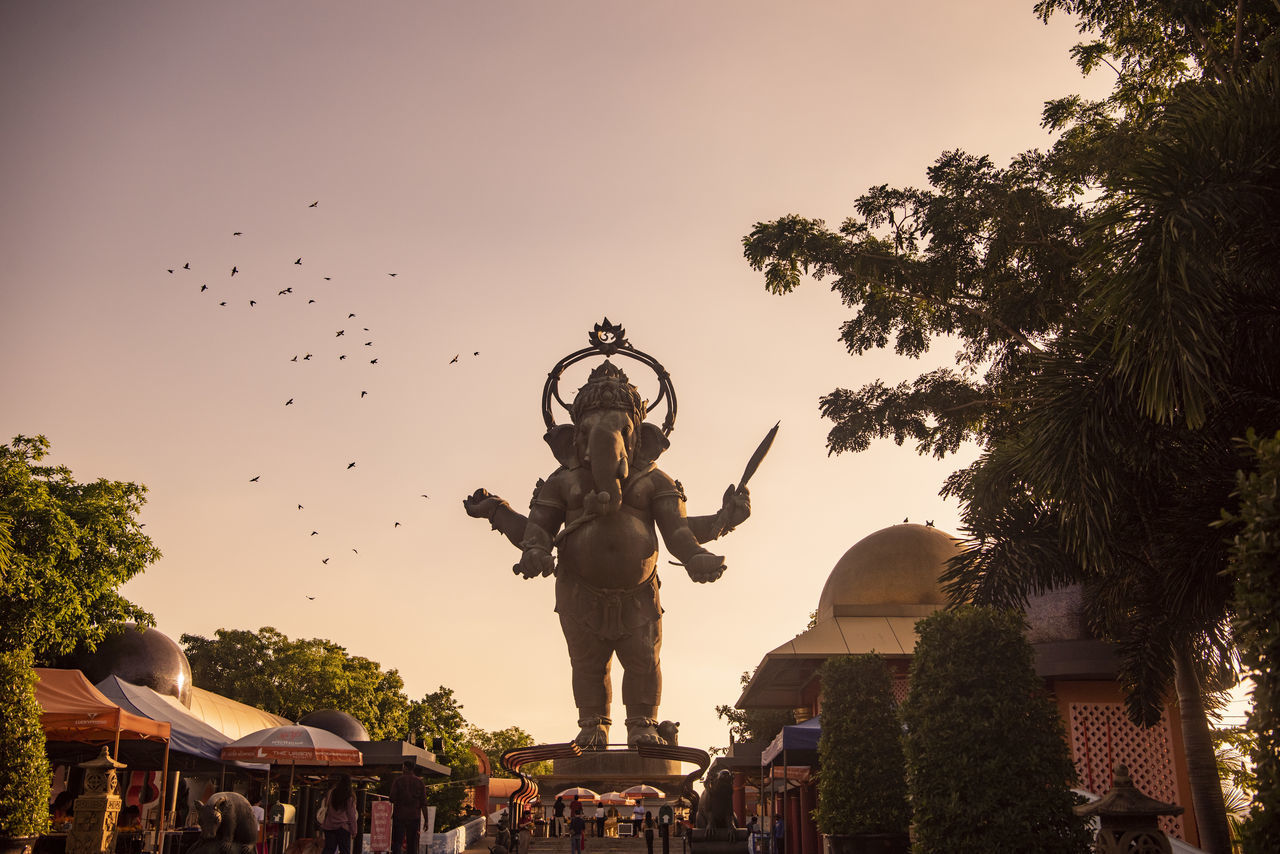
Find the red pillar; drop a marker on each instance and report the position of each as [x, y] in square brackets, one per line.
[812, 839]
[794, 821]
[740, 796]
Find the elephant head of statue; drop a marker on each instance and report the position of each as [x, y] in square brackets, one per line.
[609, 436]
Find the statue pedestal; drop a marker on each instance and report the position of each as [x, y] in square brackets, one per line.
[616, 764]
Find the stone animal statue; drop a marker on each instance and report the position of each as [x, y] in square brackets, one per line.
[715, 807]
[227, 825]
[669, 732]
[612, 501]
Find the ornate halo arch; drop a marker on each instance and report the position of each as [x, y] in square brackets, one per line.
[607, 339]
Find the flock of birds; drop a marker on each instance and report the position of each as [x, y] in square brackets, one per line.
[304, 356]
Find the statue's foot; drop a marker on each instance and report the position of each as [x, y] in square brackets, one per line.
[594, 734]
[643, 731]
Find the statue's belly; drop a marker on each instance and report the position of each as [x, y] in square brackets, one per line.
[614, 551]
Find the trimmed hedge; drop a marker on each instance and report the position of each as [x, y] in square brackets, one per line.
[862, 785]
[24, 769]
[988, 764]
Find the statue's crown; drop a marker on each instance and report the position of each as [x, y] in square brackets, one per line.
[607, 387]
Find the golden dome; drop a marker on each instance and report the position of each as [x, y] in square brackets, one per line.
[893, 572]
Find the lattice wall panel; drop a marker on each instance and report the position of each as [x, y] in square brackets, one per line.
[1102, 736]
[899, 690]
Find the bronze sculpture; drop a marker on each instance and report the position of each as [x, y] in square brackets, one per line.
[609, 495]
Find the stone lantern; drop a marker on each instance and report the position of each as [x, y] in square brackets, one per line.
[1128, 818]
[93, 830]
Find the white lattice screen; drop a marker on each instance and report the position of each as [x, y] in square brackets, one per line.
[900, 686]
[1102, 736]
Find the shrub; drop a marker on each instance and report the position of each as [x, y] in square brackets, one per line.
[988, 765]
[862, 785]
[24, 770]
[1255, 556]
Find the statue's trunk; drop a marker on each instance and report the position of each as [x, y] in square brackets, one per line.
[608, 465]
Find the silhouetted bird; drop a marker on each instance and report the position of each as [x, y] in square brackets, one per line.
[204, 288]
[253, 302]
[363, 393]
[328, 278]
[234, 270]
[299, 506]
[326, 560]
[254, 479]
[313, 533]
[289, 402]
[311, 597]
[299, 261]
[224, 302]
[306, 358]
[905, 519]
[351, 315]
[476, 353]
[340, 358]
[313, 204]
[186, 266]
[373, 361]
[310, 301]
[393, 275]
[454, 359]
[236, 233]
[171, 271]
[341, 332]
[368, 343]
[351, 465]
[294, 359]
[928, 523]
[355, 551]
[424, 495]
[397, 524]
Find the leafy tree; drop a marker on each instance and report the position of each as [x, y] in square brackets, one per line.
[65, 549]
[988, 765]
[1256, 559]
[1116, 300]
[439, 715]
[295, 677]
[862, 787]
[753, 726]
[494, 743]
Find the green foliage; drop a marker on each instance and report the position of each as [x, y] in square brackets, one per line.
[439, 714]
[71, 546]
[24, 770]
[497, 742]
[753, 726]
[1255, 557]
[862, 786]
[295, 677]
[988, 764]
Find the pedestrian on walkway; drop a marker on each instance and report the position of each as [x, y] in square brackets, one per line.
[577, 834]
[408, 809]
[638, 813]
[340, 821]
[779, 836]
[648, 831]
[557, 813]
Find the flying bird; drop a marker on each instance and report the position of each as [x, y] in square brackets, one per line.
[289, 402]
[343, 356]
[236, 233]
[299, 506]
[311, 597]
[294, 359]
[252, 302]
[906, 519]
[306, 358]
[313, 533]
[373, 361]
[351, 465]
[204, 288]
[363, 393]
[397, 524]
[351, 315]
[234, 270]
[186, 266]
[355, 551]
[476, 353]
[454, 359]
[393, 275]
[171, 271]
[328, 278]
[313, 204]
[224, 302]
[928, 523]
[368, 343]
[310, 301]
[326, 560]
[254, 479]
[424, 495]
[341, 332]
[299, 261]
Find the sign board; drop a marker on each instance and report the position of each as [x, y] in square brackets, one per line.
[380, 826]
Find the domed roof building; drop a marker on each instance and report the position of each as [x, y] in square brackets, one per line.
[871, 601]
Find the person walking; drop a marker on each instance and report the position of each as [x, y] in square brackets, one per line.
[577, 833]
[557, 814]
[408, 809]
[648, 831]
[779, 835]
[340, 822]
[638, 812]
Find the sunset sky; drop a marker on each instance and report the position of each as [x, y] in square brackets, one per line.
[524, 169]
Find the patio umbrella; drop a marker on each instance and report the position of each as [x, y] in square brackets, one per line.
[644, 791]
[614, 799]
[579, 792]
[293, 746]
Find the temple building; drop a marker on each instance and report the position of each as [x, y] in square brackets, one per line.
[871, 602]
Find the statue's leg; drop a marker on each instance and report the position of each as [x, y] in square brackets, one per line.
[589, 659]
[642, 681]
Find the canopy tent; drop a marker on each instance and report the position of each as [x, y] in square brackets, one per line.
[188, 734]
[72, 709]
[795, 745]
[232, 719]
